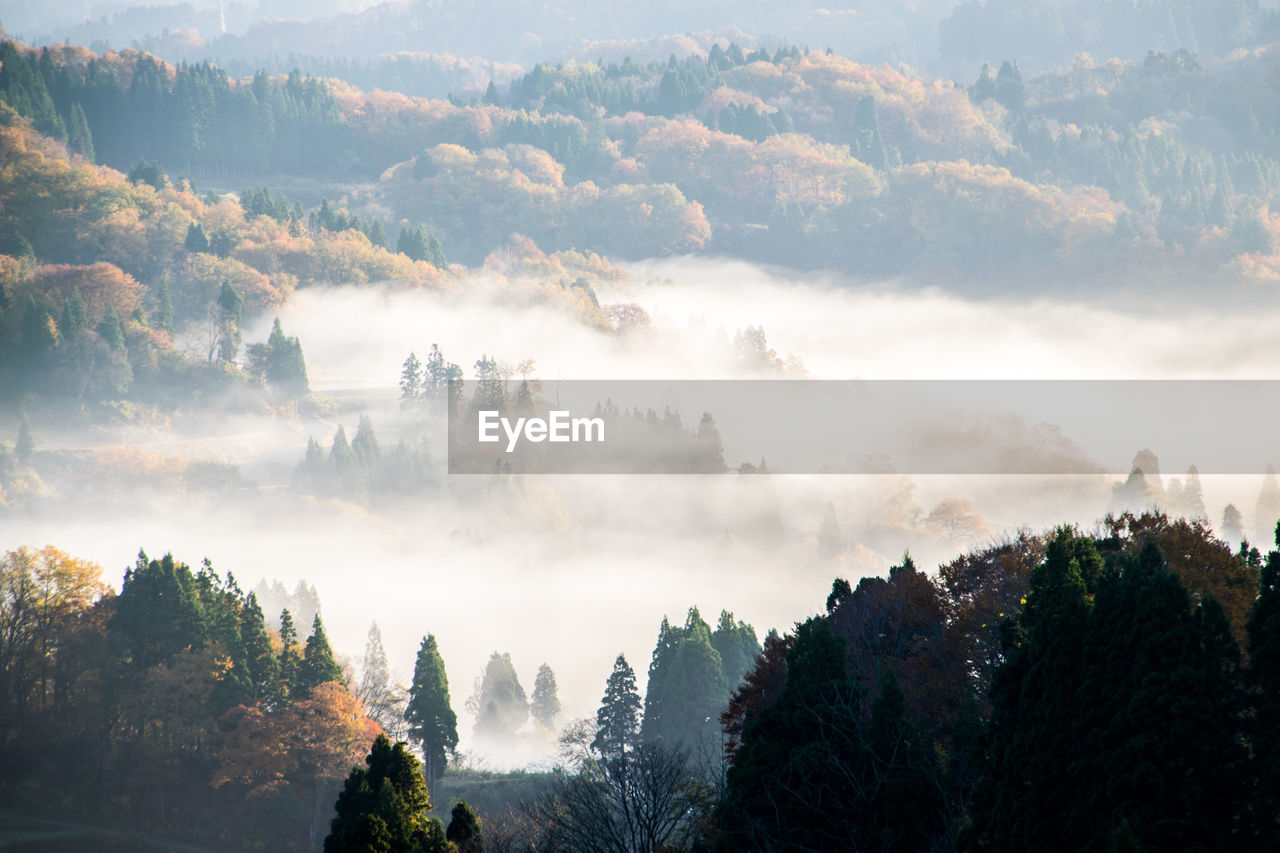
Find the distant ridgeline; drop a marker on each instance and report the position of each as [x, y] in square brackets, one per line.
[794, 157]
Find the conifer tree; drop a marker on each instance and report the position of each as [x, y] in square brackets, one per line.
[164, 307]
[290, 657]
[110, 329]
[197, 240]
[383, 805]
[410, 380]
[432, 722]
[1264, 679]
[264, 668]
[74, 315]
[501, 707]
[737, 646]
[544, 703]
[1267, 509]
[690, 689]
[618, 718]
[464, 829]
[318, 665]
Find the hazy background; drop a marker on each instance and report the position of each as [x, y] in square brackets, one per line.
[572, 570]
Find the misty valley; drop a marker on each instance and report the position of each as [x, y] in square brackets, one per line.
[641, 428]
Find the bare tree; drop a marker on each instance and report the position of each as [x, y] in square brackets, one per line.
[648, 802]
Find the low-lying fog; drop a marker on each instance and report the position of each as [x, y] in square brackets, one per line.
[571, 571]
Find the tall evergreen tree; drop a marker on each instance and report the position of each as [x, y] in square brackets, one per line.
[1232, 529]
[410, 380]
[689, 686]
[502, 707]
[74, 315]
[432, 722]
[1191, 503]
[164, 307]
[464, 829]
[737, 646]
[544, 703]
[318, 665]
[230, 308]
[290, 657]
[197, 240]
[110, 329]
[1264, 679]
[383, 805]
[618, 718]
[264, 668]
[1267, 509]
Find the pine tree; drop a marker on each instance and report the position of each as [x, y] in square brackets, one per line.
[290, 658]
[318, 665]
[264, 668]
[502, 707]
[830, 539]
[74, 315]
[375, 675]
[286, 369]
[1191, 503]
[618, 718]
[1232, 525]
[464, 829]
[383, 805]
[1267, 509]
[365, 444]
[110, 329]
[197, 240]
[79, 138]
[783, 790]
[421, 245]
[164, 307]
[410, 380]
[230, 306]
[1033, 707]
[737, 646]
[432, 722]
[690, 687]
[544, 704]
[1264, 678]
[659, 666]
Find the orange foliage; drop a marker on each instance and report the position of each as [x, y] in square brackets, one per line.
[100, 284]
[321, 736]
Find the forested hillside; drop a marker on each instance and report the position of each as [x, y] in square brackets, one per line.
[794, 156]
[917, 711]
[264, 269]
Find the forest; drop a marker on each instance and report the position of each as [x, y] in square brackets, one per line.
[259, 261]
[915, 711]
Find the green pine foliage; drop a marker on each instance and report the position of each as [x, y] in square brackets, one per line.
[544, 702]
[433, 725]
[318, 665]
[383, 805]
[421, 245]
[464, 829]
[618, 718]
[690, 682]
[501, 706]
